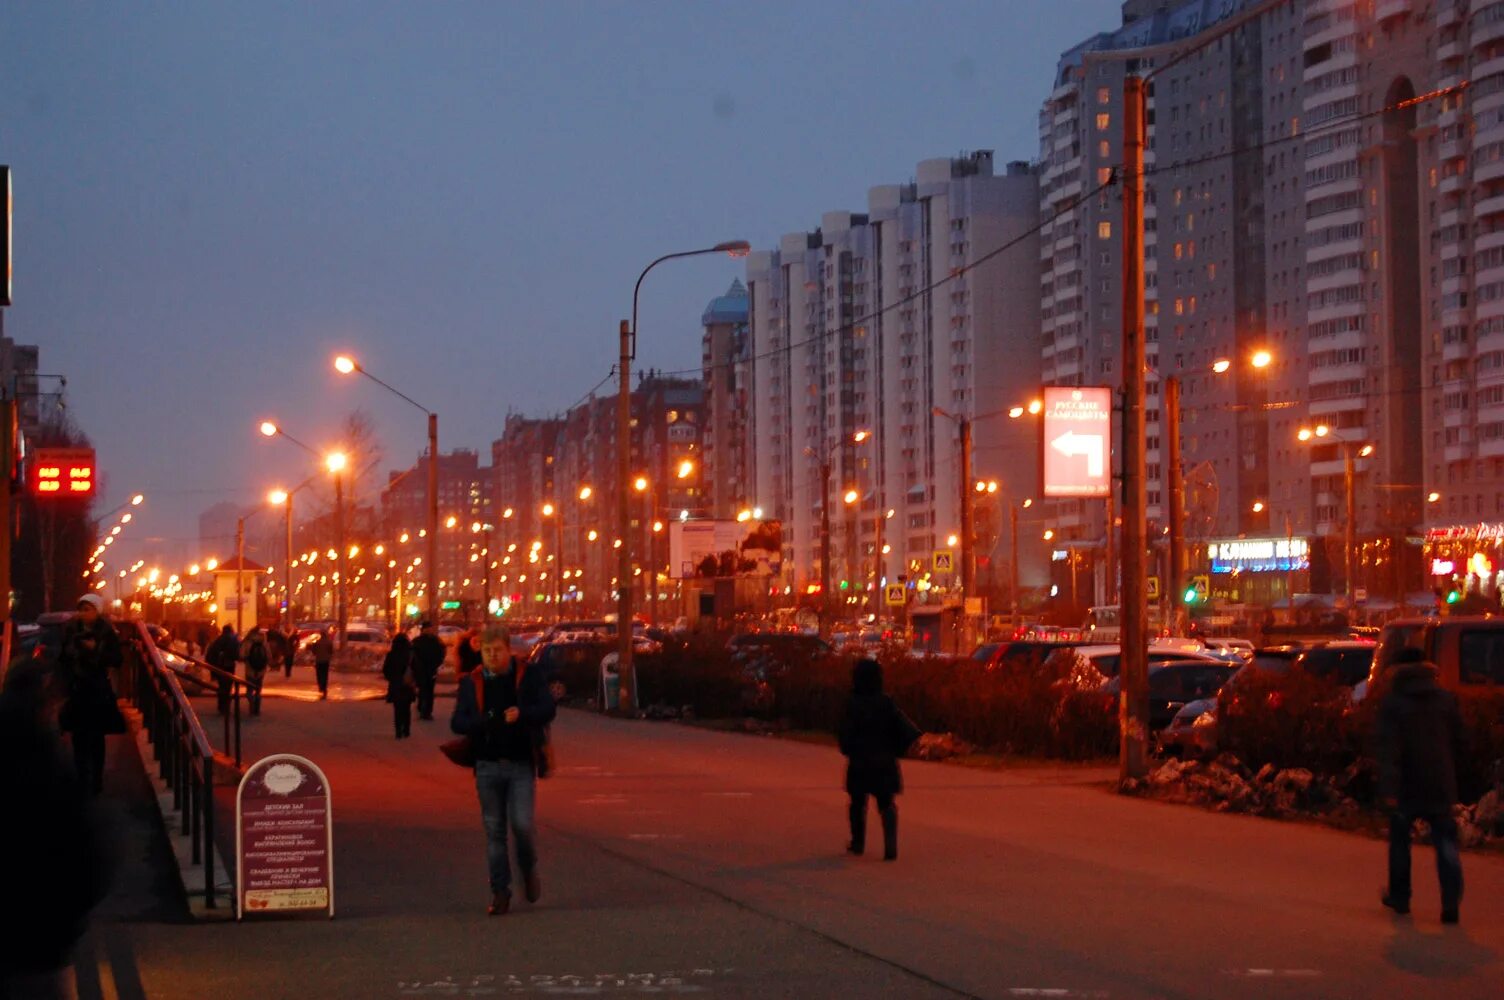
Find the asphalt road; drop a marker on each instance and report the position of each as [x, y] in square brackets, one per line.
[677, 860]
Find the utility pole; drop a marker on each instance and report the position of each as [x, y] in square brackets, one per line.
[287, 564]
[825, 546]
[968, 533]
[1134, 702]
[1172, 588]
[1013, 561]
[1349, 560]
[877, 560]
[340, 610]
[240, 577]
[433, 524]
[624, 585]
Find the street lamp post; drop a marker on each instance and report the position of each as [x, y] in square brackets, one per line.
[627, 336]
[826, 458]
[346, 365]
[1351, 452]
[336, 463]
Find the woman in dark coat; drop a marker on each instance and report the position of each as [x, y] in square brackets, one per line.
[401, 688]
[873, 735]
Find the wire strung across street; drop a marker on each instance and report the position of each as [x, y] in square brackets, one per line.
[1112, 181]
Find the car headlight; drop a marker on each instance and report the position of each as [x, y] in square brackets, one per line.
[1207, 719]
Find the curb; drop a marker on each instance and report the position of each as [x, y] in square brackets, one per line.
[190, 875]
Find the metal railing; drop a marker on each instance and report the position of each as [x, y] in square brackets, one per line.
[180, 745]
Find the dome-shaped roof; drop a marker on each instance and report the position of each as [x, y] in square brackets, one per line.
[728, 308]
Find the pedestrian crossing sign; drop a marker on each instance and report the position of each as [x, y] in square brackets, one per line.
[944, 561]
[1153, 592]
[895, 595]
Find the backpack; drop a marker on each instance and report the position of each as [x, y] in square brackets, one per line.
[255, 657]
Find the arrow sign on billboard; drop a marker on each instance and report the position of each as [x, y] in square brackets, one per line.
[1072, 444]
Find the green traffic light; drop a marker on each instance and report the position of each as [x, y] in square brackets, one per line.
[1453, 597]
[845, 584]
[1190, 595]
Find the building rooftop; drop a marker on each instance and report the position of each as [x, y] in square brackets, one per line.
[728, 308]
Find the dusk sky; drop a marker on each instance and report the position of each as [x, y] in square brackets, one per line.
[212, 199]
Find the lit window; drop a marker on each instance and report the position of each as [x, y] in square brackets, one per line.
[1104, 95]
[1104, 230]
[1104, 121]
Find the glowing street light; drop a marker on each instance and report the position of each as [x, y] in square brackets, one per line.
[585, 492]
[687, 468]
[851, 496]
[1261, 359]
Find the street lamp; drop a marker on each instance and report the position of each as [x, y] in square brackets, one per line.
[1351, 452]
[336, 463]
[346, 365]
[627, 336]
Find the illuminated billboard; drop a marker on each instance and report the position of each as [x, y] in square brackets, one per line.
[1077, 428]
[62, 472]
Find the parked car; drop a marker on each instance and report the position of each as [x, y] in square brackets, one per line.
[1192, 731]
[1468, 651]
[1218, 646]
[1026, 654]
[1346, 662]
[1107, 659]
[764, 654]
[572, 665]
[1173, 684]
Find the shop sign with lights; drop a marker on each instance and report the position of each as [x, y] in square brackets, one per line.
[62, 472]
[1258, 555]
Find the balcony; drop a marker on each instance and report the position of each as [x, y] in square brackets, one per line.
[1489, 207]
[1389, 9]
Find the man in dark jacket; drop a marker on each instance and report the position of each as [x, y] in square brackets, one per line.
[323, 655]
[504, 709]
[1420, 741]
[90, 654]
[222, 655]
[428, 657]
[873, 735]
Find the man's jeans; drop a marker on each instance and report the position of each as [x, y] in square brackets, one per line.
[1448, 860]
[506, 790]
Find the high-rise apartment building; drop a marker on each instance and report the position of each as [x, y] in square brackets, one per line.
[884, 322]
[1321, 185]
[725, 361]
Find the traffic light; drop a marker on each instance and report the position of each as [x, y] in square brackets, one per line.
[1190, 595]
[1453, 597]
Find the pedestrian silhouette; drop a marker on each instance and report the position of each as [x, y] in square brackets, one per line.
[873, 735]
[1419, 743]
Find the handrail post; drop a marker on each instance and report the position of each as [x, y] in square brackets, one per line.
[208, 807]
[237, 731]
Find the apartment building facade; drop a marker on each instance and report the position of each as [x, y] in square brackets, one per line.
[893, 324]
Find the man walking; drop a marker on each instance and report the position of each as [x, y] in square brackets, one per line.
[1420, 742]
[222, 654]
[323, 655]
[428, 657]
[90, 653]
[503, 709]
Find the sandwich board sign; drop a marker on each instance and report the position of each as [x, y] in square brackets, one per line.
[284, 838]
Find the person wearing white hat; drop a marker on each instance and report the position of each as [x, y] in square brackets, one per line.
[90, 651]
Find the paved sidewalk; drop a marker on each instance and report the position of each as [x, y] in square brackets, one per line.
[676, 859]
